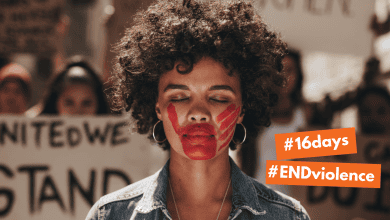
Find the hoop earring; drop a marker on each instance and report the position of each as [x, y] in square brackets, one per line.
[154, 136]
[244, 135]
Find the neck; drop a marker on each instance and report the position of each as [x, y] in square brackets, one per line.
[197, 181]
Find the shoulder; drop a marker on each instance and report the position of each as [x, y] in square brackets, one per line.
[276, 201]
[131, 191]
[125, 198]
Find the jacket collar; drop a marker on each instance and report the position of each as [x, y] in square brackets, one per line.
[244, 193]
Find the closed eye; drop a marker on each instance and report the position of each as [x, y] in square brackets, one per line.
[219, 100]
[180, 99]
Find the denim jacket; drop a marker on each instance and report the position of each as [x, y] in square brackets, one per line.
[146, 199]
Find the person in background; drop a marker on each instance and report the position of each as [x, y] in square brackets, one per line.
[374, 110]
[15, 89]
[290, 97]
[290, 114]
[76, 90]
[287, 117]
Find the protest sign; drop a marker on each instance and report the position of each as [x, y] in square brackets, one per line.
[345, 203]
[28, 26]
[57, 168]
[332, 26]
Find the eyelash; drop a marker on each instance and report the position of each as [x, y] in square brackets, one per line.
[179, 100]
[219, 101]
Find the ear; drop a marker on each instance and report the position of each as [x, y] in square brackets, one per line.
[158, 111]
[241, 117]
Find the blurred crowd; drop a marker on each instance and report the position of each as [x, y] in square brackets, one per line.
[75, 90]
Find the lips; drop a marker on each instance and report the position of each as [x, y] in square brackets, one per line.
[204, 141]
[198, 134]
[198, 130]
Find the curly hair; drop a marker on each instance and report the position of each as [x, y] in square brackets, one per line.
[175, 31]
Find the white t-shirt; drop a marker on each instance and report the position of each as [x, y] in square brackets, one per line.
[266, 145]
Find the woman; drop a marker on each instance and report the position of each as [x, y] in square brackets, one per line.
[77, 90]
[15, 89]
[289, 115]
[290, 97]
[191, 72]
[373, 104]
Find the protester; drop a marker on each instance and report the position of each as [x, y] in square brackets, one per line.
[290, 97]
[15, 89]
[291, 113]
[190, 72]
[374, 110]
[288, 116]
[77, 90]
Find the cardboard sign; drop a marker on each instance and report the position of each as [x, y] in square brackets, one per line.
[29, 26]
[57, 168]
[322, 25]
[344, 203]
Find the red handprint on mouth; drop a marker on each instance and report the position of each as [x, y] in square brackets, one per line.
[198, 140]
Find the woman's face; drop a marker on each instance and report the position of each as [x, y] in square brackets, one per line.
[77, 99]
[12, 99]
[200, 109]
[374, 114]
[290, 69]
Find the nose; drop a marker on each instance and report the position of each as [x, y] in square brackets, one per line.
[199, 114]
[76, 110]
[81, 111]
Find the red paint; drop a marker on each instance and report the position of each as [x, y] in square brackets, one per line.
[226, 142]
[229, 120]
[198, 140]
[173, 117]
[227, 132]
[225, 113]
[197, 129]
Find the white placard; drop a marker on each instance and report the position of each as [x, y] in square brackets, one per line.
[56, 168]
[331, 26]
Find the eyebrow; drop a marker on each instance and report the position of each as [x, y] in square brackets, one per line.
[176, 86]
[222, 87]
[184, 87]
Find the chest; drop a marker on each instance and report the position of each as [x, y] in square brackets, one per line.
[206, 211]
